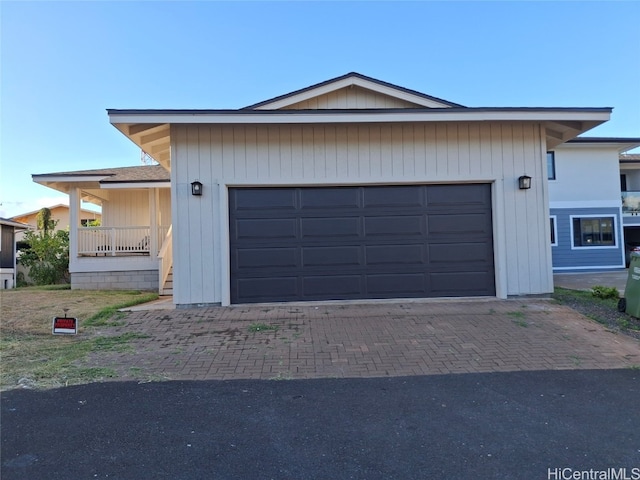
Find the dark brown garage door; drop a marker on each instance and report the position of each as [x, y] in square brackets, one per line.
[360, 242]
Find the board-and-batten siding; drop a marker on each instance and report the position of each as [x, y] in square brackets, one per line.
[351, 97]
[164, 207]
[127, 208]
[220, 156]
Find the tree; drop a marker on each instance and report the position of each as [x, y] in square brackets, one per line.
[47, 256]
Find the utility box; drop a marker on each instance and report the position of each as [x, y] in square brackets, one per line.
[631, 301]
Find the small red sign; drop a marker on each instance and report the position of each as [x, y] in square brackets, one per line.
[65, 326]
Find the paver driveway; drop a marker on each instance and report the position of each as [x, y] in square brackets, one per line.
[366, 340]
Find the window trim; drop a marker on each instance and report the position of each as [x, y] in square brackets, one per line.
[554, 230]
[551, 175]
[594, 247]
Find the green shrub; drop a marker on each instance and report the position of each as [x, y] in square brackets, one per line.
[604, 292]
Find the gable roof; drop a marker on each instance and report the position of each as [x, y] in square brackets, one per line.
[353, 79]
[150, 129]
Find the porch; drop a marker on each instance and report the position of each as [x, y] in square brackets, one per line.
[121, 241]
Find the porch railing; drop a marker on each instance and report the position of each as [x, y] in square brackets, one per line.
[631, 203]
[117, 241]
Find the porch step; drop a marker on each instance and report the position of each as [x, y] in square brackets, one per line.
[167, 288]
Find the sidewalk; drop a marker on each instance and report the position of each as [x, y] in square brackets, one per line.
[365, 340]
[585, 281]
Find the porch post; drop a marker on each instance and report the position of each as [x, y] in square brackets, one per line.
[74, 223]
[153, 223]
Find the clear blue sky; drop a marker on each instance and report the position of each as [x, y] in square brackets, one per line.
[64, 63]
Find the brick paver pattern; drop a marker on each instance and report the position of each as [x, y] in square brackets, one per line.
[367, 340]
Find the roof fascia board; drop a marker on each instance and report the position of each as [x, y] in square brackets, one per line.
[131, 185]
[69, 178]
[306, 117]
[619, 146]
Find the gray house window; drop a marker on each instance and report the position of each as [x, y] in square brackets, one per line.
[593, 232]
[553, 221]
[551, 165]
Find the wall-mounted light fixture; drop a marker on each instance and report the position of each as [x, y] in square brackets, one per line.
[524, 182]
[196, 188]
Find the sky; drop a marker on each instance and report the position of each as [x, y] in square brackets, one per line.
[62, 64]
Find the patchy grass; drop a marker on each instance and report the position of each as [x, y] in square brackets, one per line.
[262, 327]
[32, 357]
[601, 310]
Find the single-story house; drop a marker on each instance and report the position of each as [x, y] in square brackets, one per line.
[59, 214]
[353, 188]
[8, 231]
[589, 205]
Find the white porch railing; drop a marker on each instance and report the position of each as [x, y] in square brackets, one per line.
[165, 256]
[96, 241]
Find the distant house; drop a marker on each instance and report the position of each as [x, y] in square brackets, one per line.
[8, 231]
[591, 211]
[60, 214]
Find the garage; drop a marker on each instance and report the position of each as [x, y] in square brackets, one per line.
[357, 242]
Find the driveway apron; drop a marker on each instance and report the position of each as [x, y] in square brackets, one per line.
[365, 340]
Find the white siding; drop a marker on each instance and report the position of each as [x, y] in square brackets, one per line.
[222, 156]
[164, 208]
[352, 97]
[126, 208]
[584, 174]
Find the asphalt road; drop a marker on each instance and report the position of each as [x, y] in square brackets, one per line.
[508, 425]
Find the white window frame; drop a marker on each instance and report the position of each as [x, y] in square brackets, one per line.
[615, 232]
[554, 220]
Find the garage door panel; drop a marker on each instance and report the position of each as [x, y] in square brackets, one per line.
[396, 284]
[395, 255]
[257, 258]
[336, 286]
[256, 199]
[458, 195]
[465, 224]
[265, 289]
[466, 253]
[332, 256]
[459, 284]
[265, 228]
[401, 196]
[323, 228]
[329, 198]
[394, 226]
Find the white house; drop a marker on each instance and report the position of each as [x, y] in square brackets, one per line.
[349, 189]
[587, 208]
